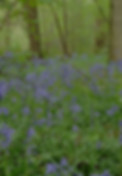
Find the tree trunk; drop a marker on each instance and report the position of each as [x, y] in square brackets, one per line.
[100, 39]
[115, 49]
[8, 33]
[62, 33]
[65, 23]
[33, 28]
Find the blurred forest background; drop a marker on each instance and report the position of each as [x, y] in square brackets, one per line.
[54, 27]
[49, 28]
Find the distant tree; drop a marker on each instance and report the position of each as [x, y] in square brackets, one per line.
[33, 26]
[5, 25]
[101, 24]
[100, 40]
[62, 29]
[115, 47]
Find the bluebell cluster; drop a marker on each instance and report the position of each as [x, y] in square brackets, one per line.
[59, 119]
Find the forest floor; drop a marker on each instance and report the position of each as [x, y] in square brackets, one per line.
[60, 118]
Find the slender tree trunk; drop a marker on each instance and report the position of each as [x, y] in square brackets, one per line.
[100, 39]
[33, 28]
[62, 33]
[115, 47]
[8, 33]
[65, 23]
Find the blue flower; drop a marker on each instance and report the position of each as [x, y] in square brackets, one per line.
[112, 110]
[3, 89]
[31, 132]
[4, 111]
[6, 133]
[51, 168]
[106, 173]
